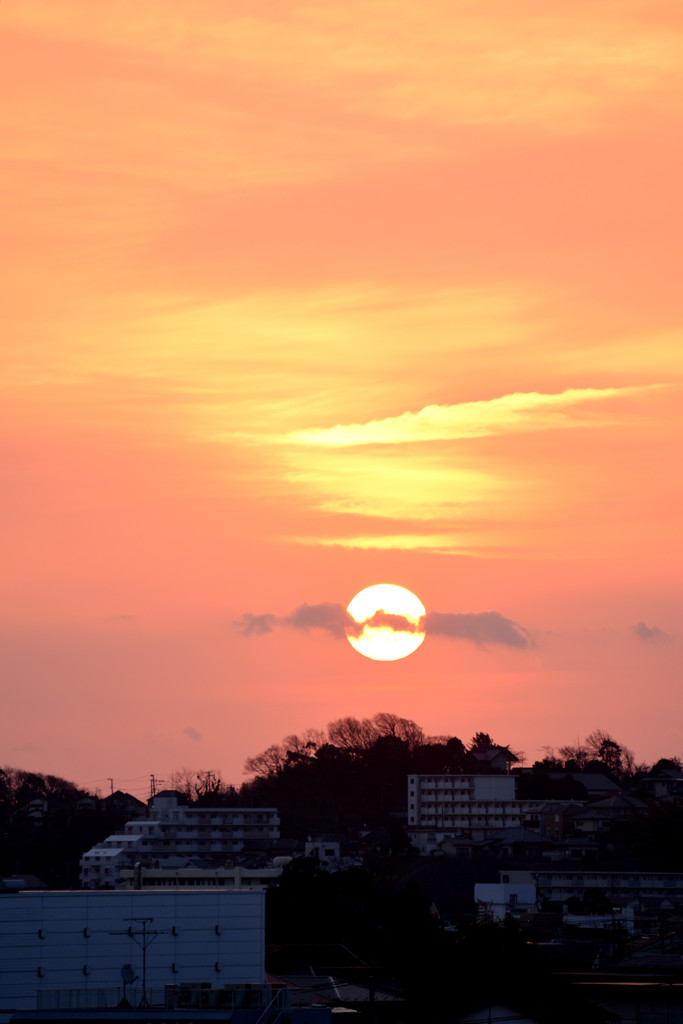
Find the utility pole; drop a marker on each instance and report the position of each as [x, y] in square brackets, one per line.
[153, 783]
[111, 785]
[206, 778]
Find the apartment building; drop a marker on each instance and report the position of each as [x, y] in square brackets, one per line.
[454, 806]
[621, 888]
[172, 830]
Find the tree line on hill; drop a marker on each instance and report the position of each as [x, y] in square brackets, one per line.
[350, 776]
[355, 772]
[357, 739]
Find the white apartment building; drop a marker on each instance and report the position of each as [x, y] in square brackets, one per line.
[455, 806]
[173, 830]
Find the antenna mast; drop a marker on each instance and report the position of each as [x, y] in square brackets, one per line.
[143, 938]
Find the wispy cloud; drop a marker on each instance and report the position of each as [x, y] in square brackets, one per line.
[482, 628]
[191, 733]
[439, 543]
[513, 413]
[560, 71]
[332, 618]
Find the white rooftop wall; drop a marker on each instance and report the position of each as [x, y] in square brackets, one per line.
[494, 787]
[502, 898]
[51, 940]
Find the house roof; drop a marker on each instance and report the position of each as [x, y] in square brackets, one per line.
[492, 754]
[578, 843]
[332, 988]
[119, 797]
[618, 801]
[559, 806]
[457, 841]
[594, 783]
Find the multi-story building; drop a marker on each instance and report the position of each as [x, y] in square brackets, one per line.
[620, 888]
[472, 806]
[173, 830]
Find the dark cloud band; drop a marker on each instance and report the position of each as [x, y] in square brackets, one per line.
[481, 627]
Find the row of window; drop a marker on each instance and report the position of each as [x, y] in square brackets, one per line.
[453, 780]
[190, 817]
[454, 819]
[223, 883]
[480, 805]
[611, 878]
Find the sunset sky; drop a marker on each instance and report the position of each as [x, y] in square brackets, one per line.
[303, 297]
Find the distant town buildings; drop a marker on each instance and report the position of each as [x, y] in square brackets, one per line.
[601, 898]
[453, 814]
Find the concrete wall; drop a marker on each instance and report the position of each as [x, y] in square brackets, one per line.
[51, 940]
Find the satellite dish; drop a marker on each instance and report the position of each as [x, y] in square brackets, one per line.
[128, 975]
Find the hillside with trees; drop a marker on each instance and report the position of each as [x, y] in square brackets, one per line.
[349, 777]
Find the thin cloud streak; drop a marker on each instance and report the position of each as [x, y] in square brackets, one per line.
[482, 628]
[441, 544]
[508, 414]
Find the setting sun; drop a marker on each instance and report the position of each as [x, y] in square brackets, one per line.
[302, 297]
[391, 622]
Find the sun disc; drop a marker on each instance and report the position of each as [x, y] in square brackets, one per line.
[392, 618]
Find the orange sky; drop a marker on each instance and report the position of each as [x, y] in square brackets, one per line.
[304, 297]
